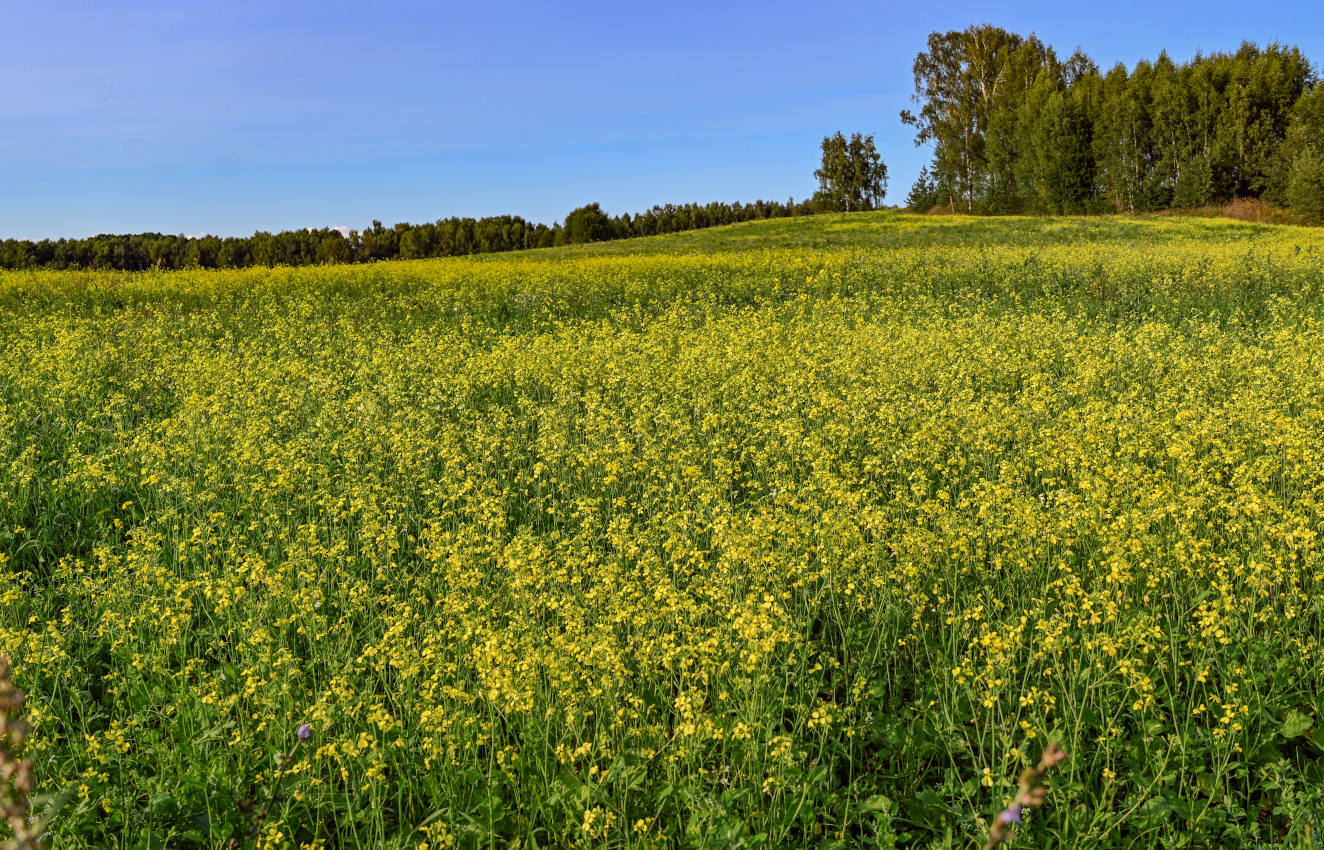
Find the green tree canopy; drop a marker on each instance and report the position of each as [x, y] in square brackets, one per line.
[963, 80]
[852, 175]
[587, 224]
[1014, 129]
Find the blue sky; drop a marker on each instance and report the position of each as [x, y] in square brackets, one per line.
[231, 117]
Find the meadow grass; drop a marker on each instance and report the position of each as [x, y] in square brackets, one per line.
[808, 533]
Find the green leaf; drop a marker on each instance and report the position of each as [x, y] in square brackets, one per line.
[162, 805]
[876, 803]
[1296, 724]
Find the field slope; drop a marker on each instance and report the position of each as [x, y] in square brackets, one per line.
[803, 533]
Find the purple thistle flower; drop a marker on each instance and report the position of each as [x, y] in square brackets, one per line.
[305, 732]
[1010, 816]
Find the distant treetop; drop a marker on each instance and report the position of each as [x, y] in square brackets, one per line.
[1016, 129]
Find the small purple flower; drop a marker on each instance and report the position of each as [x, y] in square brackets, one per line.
[1010, 816]
[305, 732]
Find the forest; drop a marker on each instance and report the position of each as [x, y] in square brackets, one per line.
[443, 238]
[1016, 129]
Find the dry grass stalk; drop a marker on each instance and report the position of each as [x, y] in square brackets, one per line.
[1030, 795]
[15, 772]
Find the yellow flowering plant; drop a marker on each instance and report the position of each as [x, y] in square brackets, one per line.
[787, 534]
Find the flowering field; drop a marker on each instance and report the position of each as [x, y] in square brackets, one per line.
[790, 534]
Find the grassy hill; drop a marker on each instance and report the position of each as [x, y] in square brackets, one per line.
[803, 533]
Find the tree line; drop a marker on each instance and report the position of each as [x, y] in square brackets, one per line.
[443, 238]
[1017, 129]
